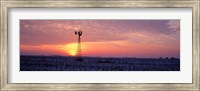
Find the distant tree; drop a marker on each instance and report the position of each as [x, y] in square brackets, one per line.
[172, 58]
[160, 58]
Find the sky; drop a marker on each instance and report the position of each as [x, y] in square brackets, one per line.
[101, 38]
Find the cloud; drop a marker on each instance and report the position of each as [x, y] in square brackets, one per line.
[53, 32]
[38, 32]
[174, 25]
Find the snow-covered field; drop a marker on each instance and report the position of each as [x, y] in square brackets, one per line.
[61, 63]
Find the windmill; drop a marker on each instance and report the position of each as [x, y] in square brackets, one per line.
[78, 52]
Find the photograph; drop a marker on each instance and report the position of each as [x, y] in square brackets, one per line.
[100, 45]
[104, 45]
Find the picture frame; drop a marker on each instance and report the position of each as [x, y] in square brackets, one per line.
[7, 4]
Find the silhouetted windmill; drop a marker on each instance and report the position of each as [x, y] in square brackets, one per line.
[78, 52]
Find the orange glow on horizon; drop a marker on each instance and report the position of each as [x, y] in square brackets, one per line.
[100, 49]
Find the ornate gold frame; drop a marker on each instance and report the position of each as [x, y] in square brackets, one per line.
[6, 4]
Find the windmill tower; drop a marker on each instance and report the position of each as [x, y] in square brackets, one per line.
[78, 52]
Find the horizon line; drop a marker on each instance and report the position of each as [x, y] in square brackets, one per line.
[105, 57]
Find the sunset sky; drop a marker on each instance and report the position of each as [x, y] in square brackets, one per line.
[101, 38]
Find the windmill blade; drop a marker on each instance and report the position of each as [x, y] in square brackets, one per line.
[75, 32]
[80, 33]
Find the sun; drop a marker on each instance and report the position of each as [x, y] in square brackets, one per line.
[71, 49]
[72, 52]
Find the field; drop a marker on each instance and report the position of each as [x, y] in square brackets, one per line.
[62, 63]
